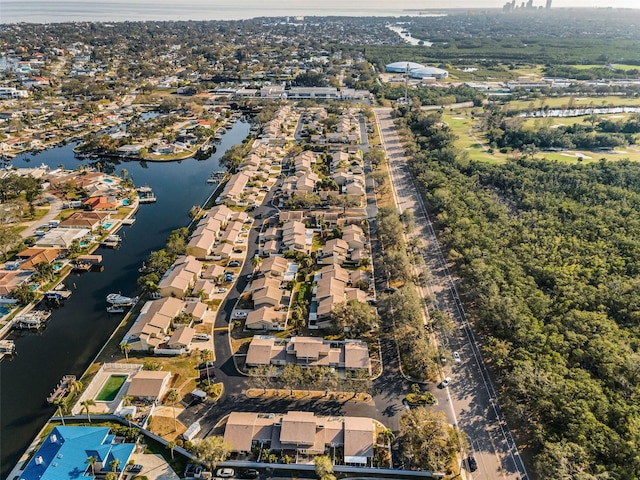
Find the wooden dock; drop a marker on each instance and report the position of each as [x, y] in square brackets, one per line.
[62, 389]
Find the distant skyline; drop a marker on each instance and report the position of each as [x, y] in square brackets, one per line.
[52, 11]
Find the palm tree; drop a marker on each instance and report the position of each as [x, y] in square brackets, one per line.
[75, 385]
[205, 356]
[171, 445]
[124, 347]
[256, 262]
[92, 463]
[114, 464]
[85, 405]
[59, 402]
[172, 398]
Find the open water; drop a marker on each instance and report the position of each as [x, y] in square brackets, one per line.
[76, 332]
[51, 11]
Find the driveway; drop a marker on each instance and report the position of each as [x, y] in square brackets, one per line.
[154, 467]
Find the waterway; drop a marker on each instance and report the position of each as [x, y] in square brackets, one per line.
[76, 332]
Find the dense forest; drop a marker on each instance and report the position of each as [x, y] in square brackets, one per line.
[549, 260]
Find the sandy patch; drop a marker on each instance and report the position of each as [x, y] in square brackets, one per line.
[576, 155]
[458, 118]
[616, 116]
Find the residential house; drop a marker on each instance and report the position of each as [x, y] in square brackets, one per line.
[90, 220]
[309, 352]
[180, 277]
[149, 385]
[153, 324]
[203, 289]
[266, 297]
[334, 251]
[181, 338]
[63, 454]
[302, 433]
[266, 318]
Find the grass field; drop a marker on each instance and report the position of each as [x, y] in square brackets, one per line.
[617, 66]
[559, 102]
[111, 388]
[471, 140]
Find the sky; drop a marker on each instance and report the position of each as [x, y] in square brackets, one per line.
[403, 4]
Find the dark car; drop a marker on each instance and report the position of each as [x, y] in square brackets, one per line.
[234, 263]
[473, 465]
[137, 468]
[250, 473]
[203, 365]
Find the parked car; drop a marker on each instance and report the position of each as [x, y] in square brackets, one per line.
[237, 250]
[240, 314]
[225, 472]
[250, 473]
[234, 263]
[203, 365]
[258, 216]
[473, 465]
[249, 276]
[445, 382]
[222, 290]
[136, 468]
[456, 357]
[202, 336]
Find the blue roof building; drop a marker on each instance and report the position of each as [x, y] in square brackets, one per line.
[65, 451]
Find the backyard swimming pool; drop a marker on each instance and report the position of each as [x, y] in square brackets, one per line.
[107, 225]
[111, 388]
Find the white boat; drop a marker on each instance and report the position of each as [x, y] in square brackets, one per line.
[7, 346]
[115, 309]
[120, 300]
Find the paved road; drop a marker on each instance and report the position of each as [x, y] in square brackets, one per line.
[471, 398]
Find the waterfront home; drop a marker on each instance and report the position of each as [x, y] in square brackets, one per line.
[64, 452]
[180, 277]
[101, 203]
[62, 237]
[34, 255]
[201, 245]
[302, 434]
[148, 385]
[90, 220]
[12, 279]
[234, 189]
[153, 324]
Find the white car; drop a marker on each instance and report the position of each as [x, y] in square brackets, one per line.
[240, 314]
[202, 336]
[445, 382]
[225, 473]
[222, 290]
[456, 357]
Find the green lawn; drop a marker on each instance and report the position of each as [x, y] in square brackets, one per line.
[111, 388]
[578, 101]
[617, 66]
[461, 123]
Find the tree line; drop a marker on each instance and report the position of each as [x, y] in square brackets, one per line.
[548, 254]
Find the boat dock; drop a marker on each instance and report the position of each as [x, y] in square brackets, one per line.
[112, 241]
[7, 347]
[33, 320]
[146, 195]
[62, 389]
[86, 262]
[129, 221]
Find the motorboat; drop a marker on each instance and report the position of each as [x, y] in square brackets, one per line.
[117, 299]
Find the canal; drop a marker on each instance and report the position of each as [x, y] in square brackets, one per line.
[76, 331]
